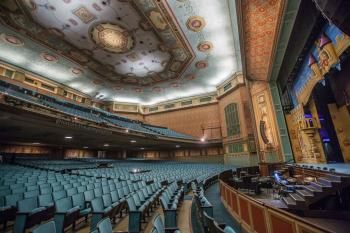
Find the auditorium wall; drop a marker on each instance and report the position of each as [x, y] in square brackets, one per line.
[211, 154]
[196, 121]
[34, 151]
[239, 148]
[131, 115]
[74, 153]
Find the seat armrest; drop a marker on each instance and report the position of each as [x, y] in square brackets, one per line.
[74, 209]
[2, 208]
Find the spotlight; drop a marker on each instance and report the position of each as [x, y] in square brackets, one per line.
[203, 139]
[127, 131]
[85, 147]
[177, 146]
[132, 141]
[106, 145]
[68, 137]
[142, 148]
[36, 143]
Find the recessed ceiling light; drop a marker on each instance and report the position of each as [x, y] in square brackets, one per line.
[85, 147]
[106, 144]
[177, 146]
[202, 139]
[36, 143]
[132, 141]
[68, 137]
[142, 148]
[127, 130]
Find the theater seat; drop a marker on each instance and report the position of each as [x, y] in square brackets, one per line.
[105, 226]
[79, 200]
[159, 227]
[100, 211]
[66, 214]
[28, 215]
[48, 227]
[229, 230]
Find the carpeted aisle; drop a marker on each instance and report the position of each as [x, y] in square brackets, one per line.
[221, 215]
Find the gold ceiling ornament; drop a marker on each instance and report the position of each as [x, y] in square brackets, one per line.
[196, 23]
[205, 46]
[12, 39]
[48, 57]
[201, 64]
[76, 71]
[112, 38]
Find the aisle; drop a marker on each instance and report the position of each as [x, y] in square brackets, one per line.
[221, 215]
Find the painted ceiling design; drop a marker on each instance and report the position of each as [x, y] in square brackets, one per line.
[260, 24]
[143, 51]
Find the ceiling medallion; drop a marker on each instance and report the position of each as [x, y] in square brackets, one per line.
[175, 85]
[118, 88]
[11, 39]
[49, 57]
[196, 23]
[138, 90]
[190, 77]
[76, 71]
[112, 38]
[157, 89]
[97, 82]
[205, 46]
[201, 64]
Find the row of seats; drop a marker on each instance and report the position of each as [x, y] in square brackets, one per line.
[170, 200]
[205, 212]
[84, 112]
[105, 226]
[30, 196]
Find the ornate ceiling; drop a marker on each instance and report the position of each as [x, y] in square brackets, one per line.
[142, 51]
[261, 21]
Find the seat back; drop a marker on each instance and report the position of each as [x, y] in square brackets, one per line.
[98, 192]
[105, 226]
[28, 204]
[228, 229]
[131, 204]
[64, 204]
[114, 196]
[45, 190]
[72, 191]
[13, 198]
[33, 193]
[105, 189]
[97, 204]
[81, 189]
[48, 227]
[45, 200]
[89, 195]
[107, 200]
[158, 224]
[18, 190]
[78, 200]
[59, 195]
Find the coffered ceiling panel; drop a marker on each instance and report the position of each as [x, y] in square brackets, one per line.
[143, 51]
